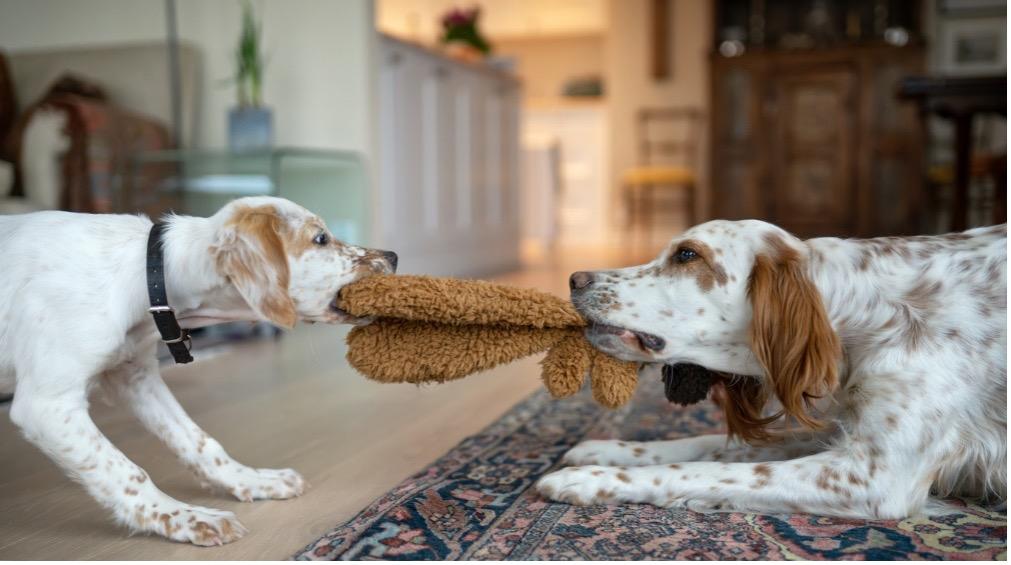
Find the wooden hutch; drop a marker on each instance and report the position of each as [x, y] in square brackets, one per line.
[806, 128]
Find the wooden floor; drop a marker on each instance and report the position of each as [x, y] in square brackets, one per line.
[287, 403]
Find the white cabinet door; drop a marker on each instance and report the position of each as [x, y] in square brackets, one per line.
[448, 152]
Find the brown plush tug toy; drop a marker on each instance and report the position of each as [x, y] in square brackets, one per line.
[429, 329]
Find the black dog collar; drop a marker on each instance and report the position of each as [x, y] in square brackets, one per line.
[176, 338]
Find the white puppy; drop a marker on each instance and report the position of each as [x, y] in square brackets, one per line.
[74, 314]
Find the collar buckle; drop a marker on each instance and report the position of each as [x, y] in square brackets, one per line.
[184, 338]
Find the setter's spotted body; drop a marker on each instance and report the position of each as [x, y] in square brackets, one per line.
[890, 353]
[73, 316]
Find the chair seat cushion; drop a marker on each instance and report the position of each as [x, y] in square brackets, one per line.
[658, 175]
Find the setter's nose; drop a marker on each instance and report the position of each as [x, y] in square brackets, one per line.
[580, 280]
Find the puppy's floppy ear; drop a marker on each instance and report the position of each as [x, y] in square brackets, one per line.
[251, 254]
[790, 331]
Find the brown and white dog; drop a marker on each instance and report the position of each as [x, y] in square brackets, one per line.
[890, 352]
[74, 315]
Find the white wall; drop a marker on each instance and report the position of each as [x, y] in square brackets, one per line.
[419, 20]
[546, 64]
[41, 24]
[319, 78]
[630, 85]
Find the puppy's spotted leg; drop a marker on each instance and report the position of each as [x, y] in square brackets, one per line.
[60, 426]
[151, 400]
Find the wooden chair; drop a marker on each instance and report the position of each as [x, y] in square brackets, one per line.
[667, 164]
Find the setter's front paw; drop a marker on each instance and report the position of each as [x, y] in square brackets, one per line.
[583, 486]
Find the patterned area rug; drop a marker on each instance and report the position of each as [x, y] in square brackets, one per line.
[476, 502]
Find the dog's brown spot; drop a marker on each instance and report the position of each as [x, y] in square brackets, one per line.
[704, 268]
[256, 261]
[204, 532]
[167, 525]
[624, 478]
[822, 481]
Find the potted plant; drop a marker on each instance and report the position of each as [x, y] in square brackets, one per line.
[461, 37]
[250, 123]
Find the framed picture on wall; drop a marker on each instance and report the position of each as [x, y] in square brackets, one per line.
[973, 46]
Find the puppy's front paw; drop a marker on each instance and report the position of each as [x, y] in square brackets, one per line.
[193, 524]
[582, 486]
[262, 484]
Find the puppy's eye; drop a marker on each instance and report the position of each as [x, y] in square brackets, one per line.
[321, 239]
[684, 255]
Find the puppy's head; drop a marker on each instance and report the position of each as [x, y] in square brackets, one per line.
[733, 297]
[286, 264]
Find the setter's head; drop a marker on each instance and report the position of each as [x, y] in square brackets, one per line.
[734, 297]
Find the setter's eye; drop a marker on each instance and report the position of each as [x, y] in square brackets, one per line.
[684, 254]
[321, 239]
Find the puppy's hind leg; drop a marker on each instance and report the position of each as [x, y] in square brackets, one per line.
[57, 422]
[141, 386]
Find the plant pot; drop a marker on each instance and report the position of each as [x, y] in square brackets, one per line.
[462, 52]
[250, 128]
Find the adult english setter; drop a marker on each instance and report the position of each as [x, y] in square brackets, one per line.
[890, 355]
[74, 316]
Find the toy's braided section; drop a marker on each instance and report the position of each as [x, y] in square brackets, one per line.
[414, 352]
[456, 302]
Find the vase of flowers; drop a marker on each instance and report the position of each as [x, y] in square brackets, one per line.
[250, 123]
[461, 36]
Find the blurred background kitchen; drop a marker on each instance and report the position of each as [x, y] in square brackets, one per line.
[518, 140]
[473, 136]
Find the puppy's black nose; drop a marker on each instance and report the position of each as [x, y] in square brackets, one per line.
[580, 280]
[391, 258]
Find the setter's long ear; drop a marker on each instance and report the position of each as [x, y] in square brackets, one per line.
[790, 331]
[251, 255]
